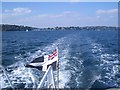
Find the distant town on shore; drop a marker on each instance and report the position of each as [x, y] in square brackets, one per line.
[6, 27]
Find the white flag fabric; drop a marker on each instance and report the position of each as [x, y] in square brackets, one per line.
[43, 62]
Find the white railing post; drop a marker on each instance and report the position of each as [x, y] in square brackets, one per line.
[52, 77]
[47, 77]
[57, 70]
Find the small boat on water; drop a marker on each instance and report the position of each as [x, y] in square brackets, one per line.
[27, 30]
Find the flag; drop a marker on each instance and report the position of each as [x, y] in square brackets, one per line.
[43, 62]
[37, 63]
[53, 55]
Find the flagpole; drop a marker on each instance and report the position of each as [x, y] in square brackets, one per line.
[57, 68]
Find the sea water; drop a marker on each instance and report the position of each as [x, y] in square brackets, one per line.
[87, 58]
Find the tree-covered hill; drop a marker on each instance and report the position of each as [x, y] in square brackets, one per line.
[6, 27]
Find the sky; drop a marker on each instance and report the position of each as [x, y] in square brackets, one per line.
[60, 0]
[52, 14]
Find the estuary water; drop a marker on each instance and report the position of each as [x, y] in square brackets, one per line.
[87, 59]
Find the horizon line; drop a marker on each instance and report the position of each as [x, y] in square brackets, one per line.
[62, 26]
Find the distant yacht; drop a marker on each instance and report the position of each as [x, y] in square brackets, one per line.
[26, 30]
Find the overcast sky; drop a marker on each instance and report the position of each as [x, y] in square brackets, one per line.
[51, 14]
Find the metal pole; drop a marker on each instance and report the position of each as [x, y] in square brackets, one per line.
[44, 78]
[57, 76]
[57, 68]
[7, 77]
[52, 77]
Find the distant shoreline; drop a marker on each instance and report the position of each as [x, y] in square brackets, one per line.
[6, 27]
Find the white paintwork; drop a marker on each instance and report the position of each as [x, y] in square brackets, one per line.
[49, 78]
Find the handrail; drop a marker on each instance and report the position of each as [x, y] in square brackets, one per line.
[48, 76]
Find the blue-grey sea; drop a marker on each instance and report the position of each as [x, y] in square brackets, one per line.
[87, 58]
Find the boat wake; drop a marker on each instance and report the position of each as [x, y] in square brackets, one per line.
[22, 77]
[83, 63]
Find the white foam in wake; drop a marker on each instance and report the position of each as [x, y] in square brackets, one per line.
[19, 74]
[107, 64]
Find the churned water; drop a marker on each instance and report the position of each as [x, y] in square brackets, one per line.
[87, 59]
